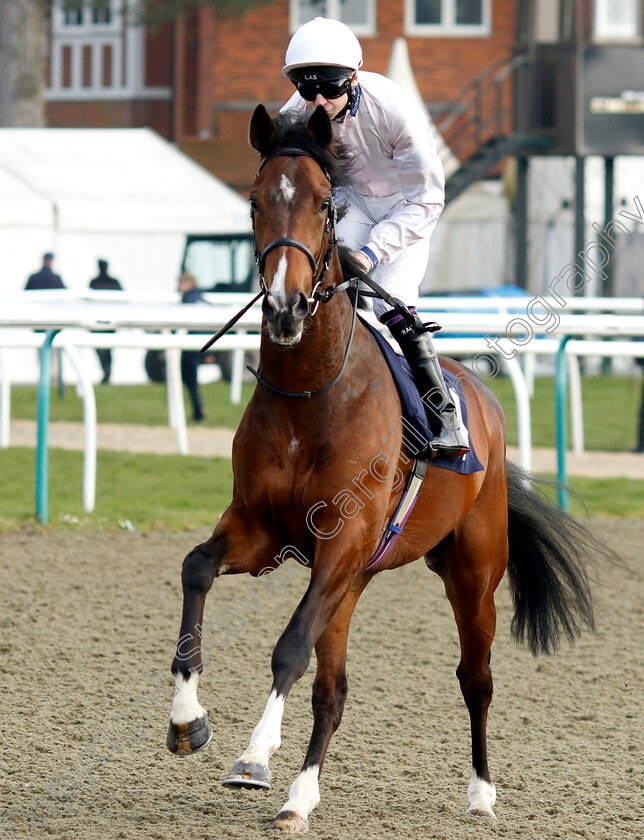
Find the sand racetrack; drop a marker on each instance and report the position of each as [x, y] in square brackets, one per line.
[84, 617]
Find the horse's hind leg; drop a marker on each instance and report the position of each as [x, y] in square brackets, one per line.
[474, 562]
[329, 695]
[234, 547]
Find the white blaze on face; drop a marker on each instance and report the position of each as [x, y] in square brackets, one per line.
[287, 189]
[185, 706]
[267, 735]
[304, 794]
[278, 286]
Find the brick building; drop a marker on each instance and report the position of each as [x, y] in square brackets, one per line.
[197, 80]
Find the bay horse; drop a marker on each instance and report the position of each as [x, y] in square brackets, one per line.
[309, 482]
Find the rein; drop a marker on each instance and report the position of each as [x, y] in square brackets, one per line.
[318, 295]
[329, 233]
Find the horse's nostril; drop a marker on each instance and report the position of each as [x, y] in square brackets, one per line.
[285, 319]
[270, 307]
[301, 308]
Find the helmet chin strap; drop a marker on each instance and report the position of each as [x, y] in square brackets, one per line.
[351, 96]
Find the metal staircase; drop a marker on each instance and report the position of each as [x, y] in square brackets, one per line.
[478, 126]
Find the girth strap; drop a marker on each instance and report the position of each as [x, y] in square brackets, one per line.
[405, 506]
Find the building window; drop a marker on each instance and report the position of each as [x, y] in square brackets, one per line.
[458, 18]
[360, 15]
[86, 14]
[101, 12]
[618, 20]
[97, 53]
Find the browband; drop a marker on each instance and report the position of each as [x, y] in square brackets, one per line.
[291, 151]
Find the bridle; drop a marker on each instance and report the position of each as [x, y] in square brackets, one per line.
[320, 264]
[318, 294]
[319, 267]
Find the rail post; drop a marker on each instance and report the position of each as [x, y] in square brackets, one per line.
[42, 452]
[561, 396]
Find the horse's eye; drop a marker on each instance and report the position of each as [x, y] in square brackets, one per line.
[325, 205]
[253, 205]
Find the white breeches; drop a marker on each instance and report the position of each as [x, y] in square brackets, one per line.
[401, 277]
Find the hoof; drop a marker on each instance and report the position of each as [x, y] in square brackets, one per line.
[290, 823]
[188, 738]
[482, 812]
[246, 774]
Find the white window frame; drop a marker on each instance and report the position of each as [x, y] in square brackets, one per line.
[605, 30]
[448, 27]
[126, 42]
[333, 11]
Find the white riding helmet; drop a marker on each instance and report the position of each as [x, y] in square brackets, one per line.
[320, 42]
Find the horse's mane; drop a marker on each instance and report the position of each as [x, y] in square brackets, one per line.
[292, 133]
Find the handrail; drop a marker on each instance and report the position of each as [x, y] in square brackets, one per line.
[453, 302]
[475, 83]
[479, 85]
[487, 315]
[477, 114]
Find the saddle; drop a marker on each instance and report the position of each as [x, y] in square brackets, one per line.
[416, 424]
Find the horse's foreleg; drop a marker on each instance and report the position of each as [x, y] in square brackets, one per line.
[291, 657]
[233, 548]
[470, 582]
[329, 695]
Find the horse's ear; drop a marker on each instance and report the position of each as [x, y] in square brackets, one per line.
[319, 127]
[262, 134]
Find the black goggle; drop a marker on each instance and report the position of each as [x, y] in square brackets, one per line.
[329, 89]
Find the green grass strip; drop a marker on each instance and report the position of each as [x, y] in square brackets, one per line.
[149, 491]
[610, 407]
[180, 492]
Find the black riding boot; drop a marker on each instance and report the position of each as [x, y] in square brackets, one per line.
[450, 439]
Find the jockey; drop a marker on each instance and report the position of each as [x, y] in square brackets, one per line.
[396, 196]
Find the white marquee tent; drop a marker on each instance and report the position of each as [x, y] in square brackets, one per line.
[124, 195]
[479, 217]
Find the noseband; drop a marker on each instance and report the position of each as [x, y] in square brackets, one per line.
[318, 295]
[328, 239]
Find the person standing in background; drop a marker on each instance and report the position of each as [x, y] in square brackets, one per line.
[191, 359]
[102, 282]
[45, 278]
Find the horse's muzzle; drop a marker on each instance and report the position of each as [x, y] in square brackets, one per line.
[285, 320]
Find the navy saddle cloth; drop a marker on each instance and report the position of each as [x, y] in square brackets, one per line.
[415, 413]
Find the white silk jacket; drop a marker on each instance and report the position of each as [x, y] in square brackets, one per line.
[393, 154]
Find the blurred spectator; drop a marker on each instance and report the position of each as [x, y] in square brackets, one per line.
[639, 447]
[45, 278]
[104, 281]
[640, 428]
[191, 359]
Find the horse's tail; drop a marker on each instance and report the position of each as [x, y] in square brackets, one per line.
[547, 568]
